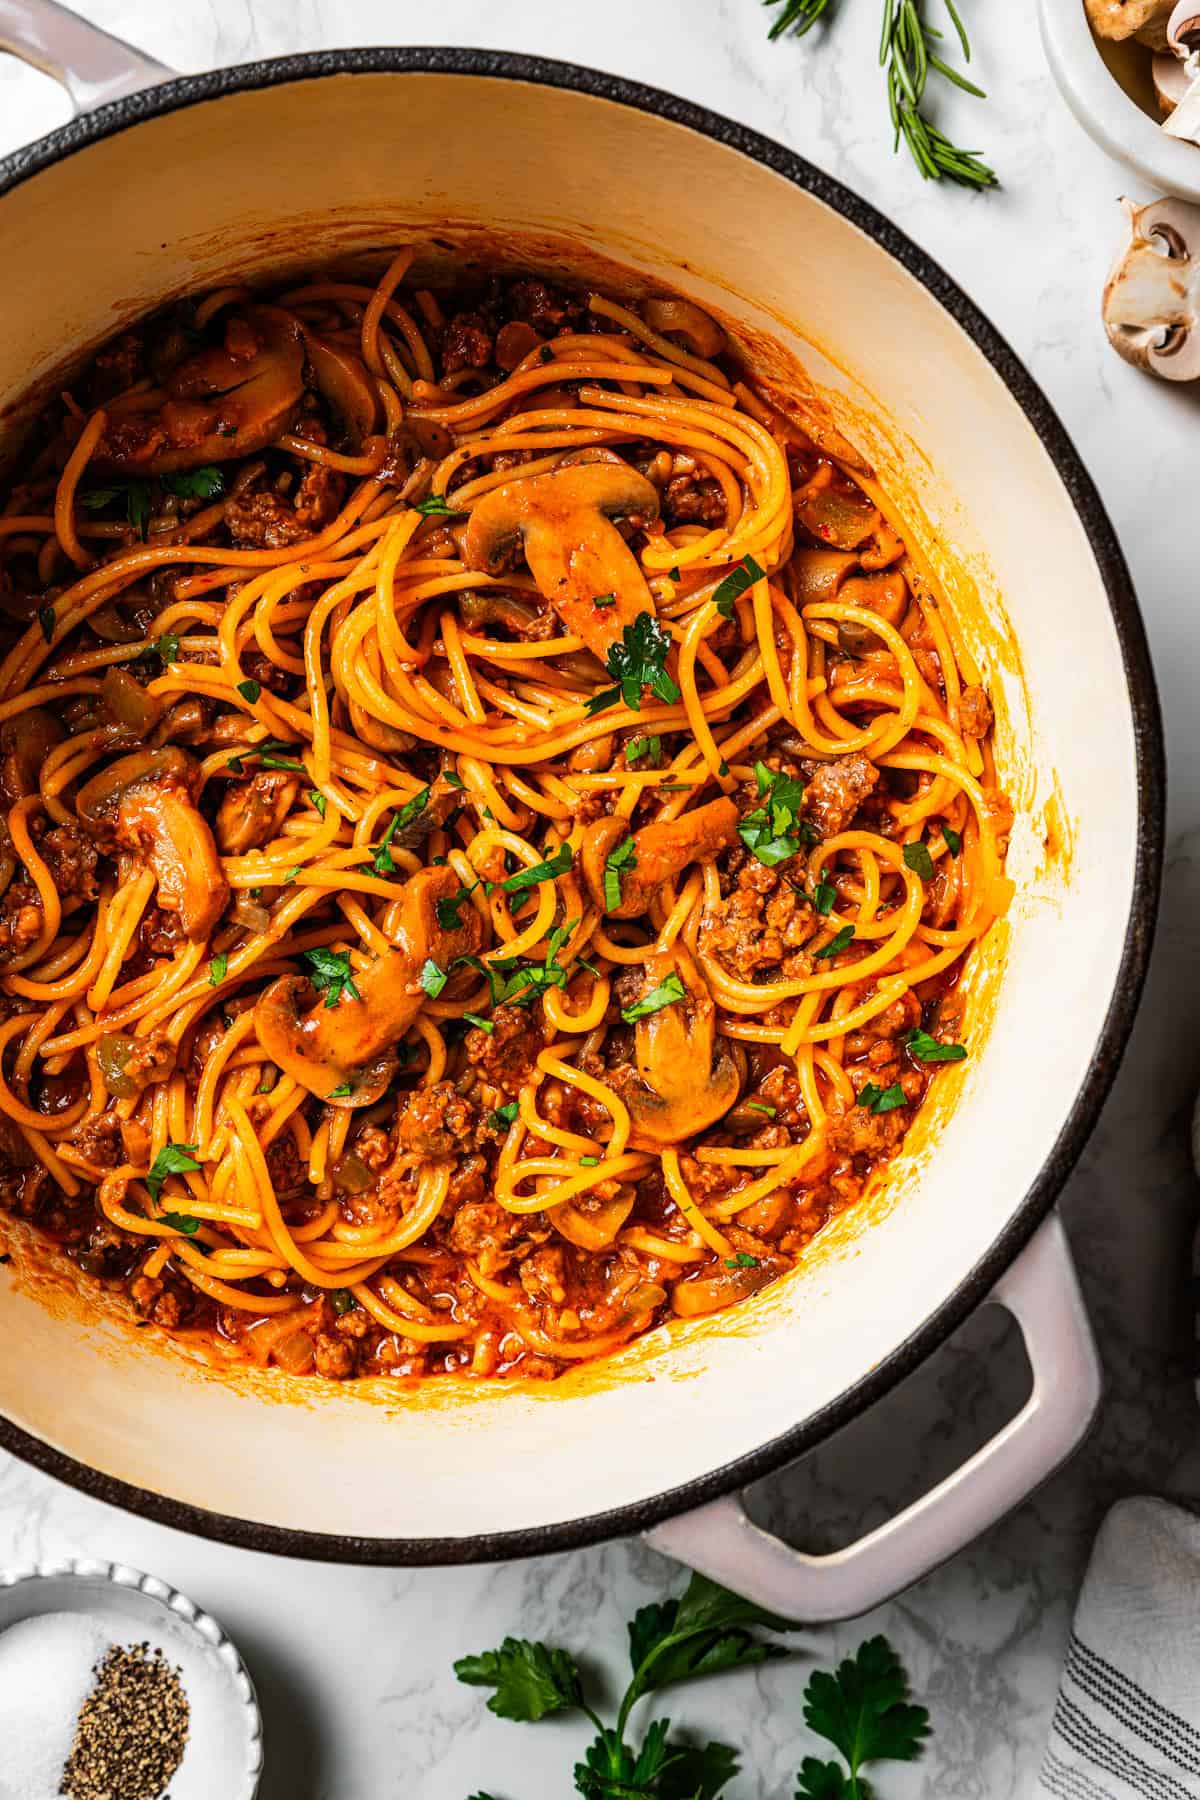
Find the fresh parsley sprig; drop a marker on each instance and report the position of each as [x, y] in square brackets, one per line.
[862, 1708]
[775, 830]
[638, 661]
[908, 53]
[331, 974]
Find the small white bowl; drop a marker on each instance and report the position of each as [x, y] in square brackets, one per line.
[1108, 88]
[224, 1753]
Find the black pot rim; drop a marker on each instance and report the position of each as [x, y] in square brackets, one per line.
[192, 90]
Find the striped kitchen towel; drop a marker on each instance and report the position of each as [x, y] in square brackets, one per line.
[1127, 1722]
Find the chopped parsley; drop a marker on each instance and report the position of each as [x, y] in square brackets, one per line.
[881, 1100]
[644, 749]
[836, 945]
[318, 800]
[775, 830]
[166, 648]
[741, 1261]
[638, 661]
[436, 506]
[674, 574]
[196, 484]
[447, 909]
[735, 584]
[46, 621]
[605, 600]
[623, 857]
[432, 978]
[918, 859]
[330, 973]
[479, 1024]
[512, 981]
[762, 1107]
[558, 864]
[218, 968]
[342, 1301]
[927, 1049]
[383, 861]
[667, 993]
[181, 1222]
[953, 840]
[502, 1118]
[823, 898]
[589, 1162]
[136, 495]
[249, 690]
[172, 1159]
[341, 1091]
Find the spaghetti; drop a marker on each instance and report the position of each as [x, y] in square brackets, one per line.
[494, 818]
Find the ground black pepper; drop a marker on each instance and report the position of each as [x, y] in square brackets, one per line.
[132, 1729]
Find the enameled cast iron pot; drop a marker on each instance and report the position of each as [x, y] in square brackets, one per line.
[189, 181]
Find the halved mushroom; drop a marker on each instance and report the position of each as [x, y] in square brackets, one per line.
[146, 803]
[686, 1078]
[251, 813]
[345, 1054]
[1117, 19]
[660, 852]
[1152, 298]
[685, 320]
[563, 521]
[214, 405]
[343, 380]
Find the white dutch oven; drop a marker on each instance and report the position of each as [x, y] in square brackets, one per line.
[163, 191]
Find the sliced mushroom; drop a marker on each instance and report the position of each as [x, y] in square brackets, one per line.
[660, 852]
[686, 1078]
[343, 380]
[214, 405]
[1117, 19]
[563, 523]
[146, 803]
[351, 1046]
[714, 1287]
[1152, 297]
[683, 319]
[252, 812]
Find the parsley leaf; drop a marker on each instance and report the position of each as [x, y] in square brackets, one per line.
[436, 506]
[667, 993]
[529, 1680]
[953, 840]
[863, 1710]
[432, 979]
[605, 600]
[342, 1301]
[47, 621]
[318, 800]
[836, 944]
[638, 661]
[172, 1159]
[823, 897]
[706, 1630]
[881, 1100]
[623, 857]
[918, 859]
[249, 690]
[196, 484]
[644, 749]
[762, 1107]
[775, 830]
[735, 584]
[927, 1049]
[217, 968]
[502, 1118]
[447, 909]
[823, 1781]
[166, 648]
[741, 1261]
[479, 1024]
[137, 502]
[558, 864]
[341, 1091]
[330, 973]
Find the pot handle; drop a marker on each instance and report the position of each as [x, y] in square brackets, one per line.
[92, 66]
[1041, 1291]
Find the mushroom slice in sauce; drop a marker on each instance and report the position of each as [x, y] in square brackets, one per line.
[687, 1077]
[351, 1046]
[660, 851]
[563, 522]
[146, 803]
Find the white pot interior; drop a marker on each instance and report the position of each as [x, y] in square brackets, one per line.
[354, 164]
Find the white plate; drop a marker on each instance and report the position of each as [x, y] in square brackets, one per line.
[224, 1754]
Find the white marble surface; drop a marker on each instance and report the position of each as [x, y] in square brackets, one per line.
[354, 1666]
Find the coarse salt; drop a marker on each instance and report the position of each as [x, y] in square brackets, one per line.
[47, 1666]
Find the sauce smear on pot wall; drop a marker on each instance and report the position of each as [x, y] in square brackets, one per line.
[494, 818]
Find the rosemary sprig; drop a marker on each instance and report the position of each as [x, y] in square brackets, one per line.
[909, 52]
[798, 16]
